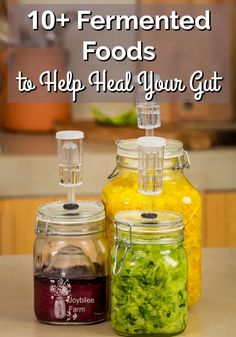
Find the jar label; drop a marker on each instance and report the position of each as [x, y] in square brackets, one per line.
[70, 301]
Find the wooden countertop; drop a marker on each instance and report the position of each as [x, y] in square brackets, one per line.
[214, 316]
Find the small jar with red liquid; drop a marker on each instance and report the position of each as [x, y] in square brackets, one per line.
[71, 264]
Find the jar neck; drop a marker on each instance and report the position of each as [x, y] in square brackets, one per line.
[173, 167]
[175, 238]
[46, 228]
[149, 233]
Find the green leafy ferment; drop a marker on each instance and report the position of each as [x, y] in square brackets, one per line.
[149, 295]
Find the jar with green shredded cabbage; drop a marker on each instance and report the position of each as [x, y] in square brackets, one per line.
[149, 274]
[178, 195]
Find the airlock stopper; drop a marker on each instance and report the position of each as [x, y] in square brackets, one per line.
[151, 158]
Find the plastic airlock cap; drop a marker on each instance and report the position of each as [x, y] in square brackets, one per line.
[150, 163]
[147, 142]
[69, 151]
[140, 92]
[148, 112]
[69, 135]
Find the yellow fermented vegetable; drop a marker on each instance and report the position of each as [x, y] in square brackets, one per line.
[121, 193]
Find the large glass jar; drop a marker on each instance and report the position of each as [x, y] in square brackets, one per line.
[178, 195]
[149, 274]
[70, 264]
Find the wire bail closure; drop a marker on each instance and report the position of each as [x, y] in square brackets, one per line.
[119, 242]
[47, 231]
[115, 172]
[186, 162]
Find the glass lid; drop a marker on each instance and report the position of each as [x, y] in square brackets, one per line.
[63, 213]
[149, 221]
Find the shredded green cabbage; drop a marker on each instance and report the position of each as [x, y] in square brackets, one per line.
[149, 295]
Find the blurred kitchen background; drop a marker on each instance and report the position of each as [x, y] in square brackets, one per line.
[28, 165]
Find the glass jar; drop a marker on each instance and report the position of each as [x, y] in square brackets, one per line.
[149, 274]
[178, 195]
[70, 263]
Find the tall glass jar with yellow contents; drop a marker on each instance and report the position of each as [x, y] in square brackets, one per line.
[178, 195]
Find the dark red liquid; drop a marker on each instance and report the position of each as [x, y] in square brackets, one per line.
[62, 300]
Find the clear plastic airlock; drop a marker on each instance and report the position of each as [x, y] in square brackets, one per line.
[69, 151]
[148, 112]
[150, 166]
